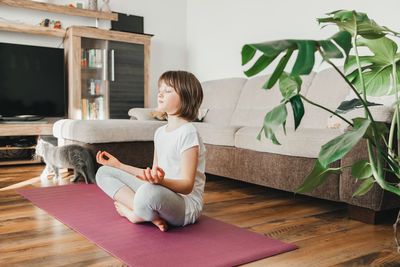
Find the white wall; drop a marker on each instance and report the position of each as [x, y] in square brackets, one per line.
[206, 37]
[217, 30]
[165, 19]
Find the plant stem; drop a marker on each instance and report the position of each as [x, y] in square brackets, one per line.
[396, 120]
[352, 87]
[391, 133]
[374, 167]
[394, 69]
[377, 169]
[324, 108]
[360, 72]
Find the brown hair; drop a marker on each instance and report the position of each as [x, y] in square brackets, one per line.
[188, 87]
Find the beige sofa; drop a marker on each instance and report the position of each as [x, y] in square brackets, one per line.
[236, 109]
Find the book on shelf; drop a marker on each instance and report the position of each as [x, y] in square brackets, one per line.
[93, 109]
[95, 87]
[93, 58]
[84, 60]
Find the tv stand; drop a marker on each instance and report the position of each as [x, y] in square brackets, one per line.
[22, 122]
[21, 129]
[22, 118]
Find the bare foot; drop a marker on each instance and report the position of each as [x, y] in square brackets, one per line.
[126, 212]
[161, 224]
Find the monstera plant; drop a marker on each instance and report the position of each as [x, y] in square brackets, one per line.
[377, 74]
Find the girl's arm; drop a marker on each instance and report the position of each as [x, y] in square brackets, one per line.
[107, 159]
[130, 169]
[138, 171]
[155, 159]
[188, 173]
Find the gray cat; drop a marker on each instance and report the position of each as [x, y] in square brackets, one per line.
[69, 156]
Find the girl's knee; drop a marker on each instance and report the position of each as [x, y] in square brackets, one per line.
[149, 195]
[102, 172]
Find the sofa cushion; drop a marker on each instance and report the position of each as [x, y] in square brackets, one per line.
[141, 114]
[106, 131]
[215, 134]
[220, 98]
[255, 101]
[154, 114]
[302, 142]
[328, 89]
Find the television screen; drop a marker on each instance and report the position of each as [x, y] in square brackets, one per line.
[32, 81]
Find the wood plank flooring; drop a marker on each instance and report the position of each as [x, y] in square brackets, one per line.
[322, 230]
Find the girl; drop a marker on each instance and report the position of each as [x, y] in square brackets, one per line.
[171, 192]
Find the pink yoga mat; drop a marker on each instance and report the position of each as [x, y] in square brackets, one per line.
[209, 242]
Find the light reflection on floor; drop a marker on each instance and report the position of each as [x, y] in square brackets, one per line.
[65, 176]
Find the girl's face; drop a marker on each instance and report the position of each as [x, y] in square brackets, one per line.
[168, 99]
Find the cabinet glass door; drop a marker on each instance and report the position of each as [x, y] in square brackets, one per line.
[94, 79]
[126, 72]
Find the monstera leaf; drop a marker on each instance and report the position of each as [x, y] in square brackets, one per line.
[339, 146]
[378, 73]
[377, 70]
[365, 187]
[361, 169]
[317, 177]
[356, 23]
[305, 57]
[289, 85]
[273, 119]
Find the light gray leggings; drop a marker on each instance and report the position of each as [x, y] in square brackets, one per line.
[150, 202]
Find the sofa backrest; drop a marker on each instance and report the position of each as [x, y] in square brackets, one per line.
[254, 102]
[220, 98]
[327, 89]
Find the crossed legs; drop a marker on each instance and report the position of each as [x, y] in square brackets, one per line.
[140, 201]
[124, 199]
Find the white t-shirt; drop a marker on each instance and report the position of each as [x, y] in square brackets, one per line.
[169, 146]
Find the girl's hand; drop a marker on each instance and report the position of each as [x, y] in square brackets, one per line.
[106, 159]
[153, 176]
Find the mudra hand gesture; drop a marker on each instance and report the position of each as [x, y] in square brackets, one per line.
[106, 159]
[153, 176]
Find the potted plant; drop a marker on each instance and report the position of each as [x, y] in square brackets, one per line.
[377, 75]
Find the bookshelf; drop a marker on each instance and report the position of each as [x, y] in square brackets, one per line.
[108, 72]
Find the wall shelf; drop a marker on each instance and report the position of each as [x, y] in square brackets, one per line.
[32, 29]
[60, 9]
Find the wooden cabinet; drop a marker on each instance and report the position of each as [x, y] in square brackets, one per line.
[21, 153]
[108, 72]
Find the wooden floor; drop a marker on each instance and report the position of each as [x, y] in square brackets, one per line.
[322, 230]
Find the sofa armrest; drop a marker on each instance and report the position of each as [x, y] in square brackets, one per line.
[379, 113]
[141, 114]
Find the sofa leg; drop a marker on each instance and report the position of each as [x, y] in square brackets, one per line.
[370, 216]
